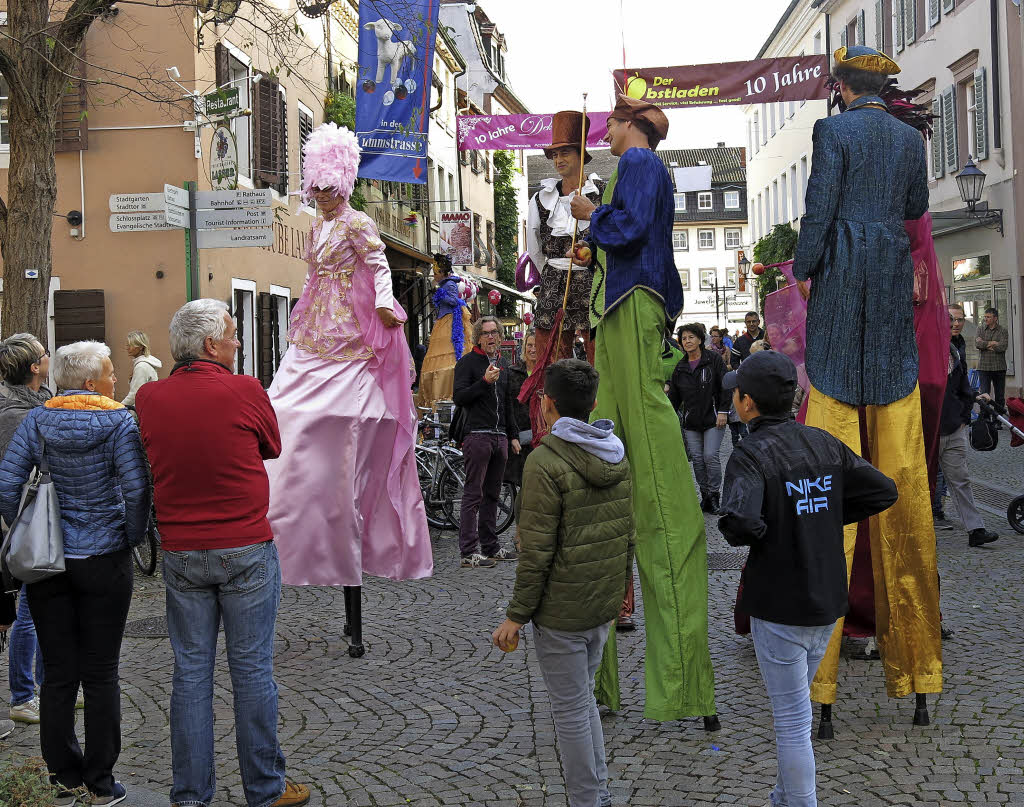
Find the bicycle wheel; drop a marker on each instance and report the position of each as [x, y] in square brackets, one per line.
[145, 553]
[1015, 514]
[506, 507]
[431, 503]
[450, 487]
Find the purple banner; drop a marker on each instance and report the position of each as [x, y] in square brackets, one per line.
[498, 132]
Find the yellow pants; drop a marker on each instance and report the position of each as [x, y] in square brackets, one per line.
[902, 547]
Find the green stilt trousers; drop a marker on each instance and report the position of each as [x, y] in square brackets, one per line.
[671, 549]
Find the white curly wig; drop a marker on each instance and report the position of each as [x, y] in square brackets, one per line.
[331, 161]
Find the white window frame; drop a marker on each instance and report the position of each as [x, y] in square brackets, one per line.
[971, 115]
[757, 133]
[677, 198]
[736, 231]
[727, 195]
[784, 197]
[704, 273]
[702, 232]
[701, 196]
[685, 239]
[242, 123]
[249, 342]
[793, 193]
[684, 279]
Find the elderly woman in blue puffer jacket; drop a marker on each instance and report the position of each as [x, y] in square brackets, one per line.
[99, 472]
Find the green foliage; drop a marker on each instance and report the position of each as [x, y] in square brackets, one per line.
[25, 784]
[506, 224]
[776, 247]
[340, 108]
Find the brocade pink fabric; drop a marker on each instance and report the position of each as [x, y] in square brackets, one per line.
[344, 494]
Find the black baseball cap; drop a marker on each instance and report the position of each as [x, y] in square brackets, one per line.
[765, 376]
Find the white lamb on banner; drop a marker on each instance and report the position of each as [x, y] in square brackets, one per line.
[396, 55]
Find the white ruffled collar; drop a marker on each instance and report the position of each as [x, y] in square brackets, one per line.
[548, 194]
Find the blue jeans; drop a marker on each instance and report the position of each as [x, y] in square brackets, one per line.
[242, 586]
[23, 654]
[788, 656]
[703, 447]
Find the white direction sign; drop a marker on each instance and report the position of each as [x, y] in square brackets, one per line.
[178, 216]
[223, 200]
[173, 195]
[139, 222]
[136, 202]
[213, 239]
[240, 217]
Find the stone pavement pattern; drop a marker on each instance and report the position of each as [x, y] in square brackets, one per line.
[433, 715]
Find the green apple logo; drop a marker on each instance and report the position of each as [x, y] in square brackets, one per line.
[636, 87]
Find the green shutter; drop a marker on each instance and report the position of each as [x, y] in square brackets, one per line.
[938, 163]
[910, 14]
[843, 41]
[879, 25]
[899, 23]
[949, 133]
[947, 6]
[933, 12]
[861, 31]
[980, 133]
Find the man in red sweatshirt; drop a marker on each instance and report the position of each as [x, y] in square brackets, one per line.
[207, 433]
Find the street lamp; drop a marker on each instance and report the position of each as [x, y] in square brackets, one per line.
[971, 182]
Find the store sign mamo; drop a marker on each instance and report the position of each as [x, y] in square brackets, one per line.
[761, 81]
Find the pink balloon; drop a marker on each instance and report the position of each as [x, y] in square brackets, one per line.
[528, 317]
[494, 296]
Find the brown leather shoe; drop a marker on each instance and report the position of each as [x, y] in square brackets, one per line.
[294, 795]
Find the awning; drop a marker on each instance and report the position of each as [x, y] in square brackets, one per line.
[409, 252]
[494, 284]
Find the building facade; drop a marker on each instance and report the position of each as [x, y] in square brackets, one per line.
[964, 56]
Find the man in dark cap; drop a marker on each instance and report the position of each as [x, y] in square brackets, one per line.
[869, 175]
[636, 296]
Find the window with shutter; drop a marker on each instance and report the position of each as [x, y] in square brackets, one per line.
[910, 17]
[947, 6]
[879, 26]
[949, 133]
[934, 13]
[979, 135]
[305, 130]
[220, 60]
[861, 28]
[270, 157]
[898, 22]
[938, 163]
[78, 315]
[266, 341]
[72, 133]
[843, 40]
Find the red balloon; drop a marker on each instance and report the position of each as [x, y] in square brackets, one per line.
[494, 296]
[528, 317]
[757, 268]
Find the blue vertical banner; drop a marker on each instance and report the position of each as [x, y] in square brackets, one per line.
[396, 58]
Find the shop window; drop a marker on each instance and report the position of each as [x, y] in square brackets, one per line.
[243, 301]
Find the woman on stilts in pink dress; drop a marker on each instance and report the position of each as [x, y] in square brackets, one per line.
[344, 494]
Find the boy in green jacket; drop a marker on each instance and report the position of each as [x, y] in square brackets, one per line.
[576, 527]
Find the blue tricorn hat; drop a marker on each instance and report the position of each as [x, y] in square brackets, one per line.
[861, 57]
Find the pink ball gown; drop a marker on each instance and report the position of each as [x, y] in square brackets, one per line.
[344, 494]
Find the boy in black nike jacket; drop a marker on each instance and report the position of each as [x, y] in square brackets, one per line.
[789, 489]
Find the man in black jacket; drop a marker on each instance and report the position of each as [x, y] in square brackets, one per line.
[789, 489]
[956, 417]
[481, 389]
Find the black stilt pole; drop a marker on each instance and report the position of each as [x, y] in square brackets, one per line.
[921, 712]
[712, 723]
[825, 726]
[354, 620]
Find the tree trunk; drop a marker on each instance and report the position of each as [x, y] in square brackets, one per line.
[31, 195]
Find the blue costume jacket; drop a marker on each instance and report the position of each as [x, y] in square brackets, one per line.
[635, 231]
[869, 175]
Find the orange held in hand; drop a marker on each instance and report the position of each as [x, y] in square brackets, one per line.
[757, 268]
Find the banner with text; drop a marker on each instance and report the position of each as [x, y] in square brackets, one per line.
[518, 132]
[456, 233]
[762, 81]
[396, 54]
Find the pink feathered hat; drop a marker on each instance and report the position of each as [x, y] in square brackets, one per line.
[331, 161]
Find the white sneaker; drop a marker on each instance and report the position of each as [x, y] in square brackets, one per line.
[27, 712]
[6, 727]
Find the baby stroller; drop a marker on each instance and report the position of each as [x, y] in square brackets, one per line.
[1012, 418]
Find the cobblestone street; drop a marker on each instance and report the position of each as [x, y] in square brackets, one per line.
[433, 715]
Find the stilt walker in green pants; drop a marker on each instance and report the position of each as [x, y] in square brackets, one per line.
[636, 296]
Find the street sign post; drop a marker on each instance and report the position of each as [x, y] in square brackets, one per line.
[174, 195]
[254, 237]
[242, 217]
[178, 216]
[223, 200]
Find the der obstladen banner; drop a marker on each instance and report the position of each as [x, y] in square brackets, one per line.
[762, 81]
[396, 54]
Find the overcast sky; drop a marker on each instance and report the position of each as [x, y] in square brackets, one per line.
[559, 49]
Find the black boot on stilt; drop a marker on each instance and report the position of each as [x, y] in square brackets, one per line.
[825, 726]
[921, 717]
[354, 620]
[712, 723]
